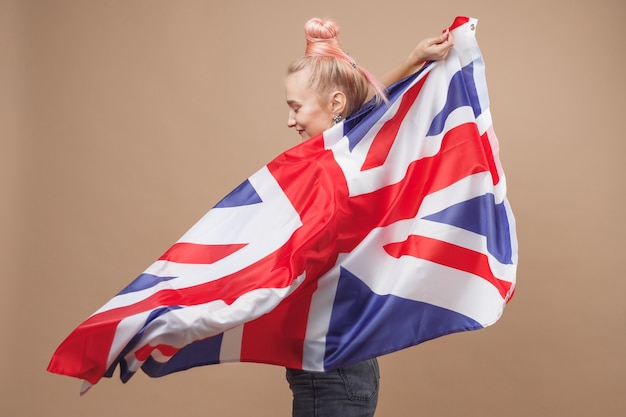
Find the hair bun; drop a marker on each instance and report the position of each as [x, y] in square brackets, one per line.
[322, 31]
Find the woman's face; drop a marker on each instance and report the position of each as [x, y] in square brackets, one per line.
[307, 114]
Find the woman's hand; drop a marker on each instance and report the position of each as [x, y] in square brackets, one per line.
[430, 49]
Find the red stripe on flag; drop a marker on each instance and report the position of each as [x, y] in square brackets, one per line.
[83, 354]
[193, 253]
[490, 158]
[448, 254]
[279, 334]
[143, 353]
[459, 21]
[386, 136]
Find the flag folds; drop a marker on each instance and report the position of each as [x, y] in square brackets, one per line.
[389, 229]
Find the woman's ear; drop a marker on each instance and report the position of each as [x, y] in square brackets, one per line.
[338, 103]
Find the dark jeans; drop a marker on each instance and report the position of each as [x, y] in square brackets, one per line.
[345, 392]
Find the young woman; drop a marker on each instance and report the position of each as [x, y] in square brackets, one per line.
[322, 88]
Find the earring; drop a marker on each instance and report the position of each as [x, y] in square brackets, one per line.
[337, 118]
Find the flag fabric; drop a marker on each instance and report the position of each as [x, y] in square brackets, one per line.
[387, 230]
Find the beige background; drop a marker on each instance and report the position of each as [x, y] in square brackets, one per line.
[122, 122]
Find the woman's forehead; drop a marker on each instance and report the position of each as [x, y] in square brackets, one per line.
[297, 86]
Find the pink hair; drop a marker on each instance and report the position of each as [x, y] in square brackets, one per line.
[332, 68]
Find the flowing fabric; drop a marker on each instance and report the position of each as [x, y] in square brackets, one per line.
[387, 230]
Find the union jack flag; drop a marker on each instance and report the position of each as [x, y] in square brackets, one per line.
[389, 229]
